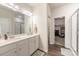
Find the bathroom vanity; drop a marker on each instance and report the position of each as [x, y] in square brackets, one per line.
[24, 45]
[16, 32]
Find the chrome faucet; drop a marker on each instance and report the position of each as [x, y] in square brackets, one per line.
[5, 36]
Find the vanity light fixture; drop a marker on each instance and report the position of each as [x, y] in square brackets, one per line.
[11, 4]
[21, 10]
[26, 12]
[6, 5]
[16, 8]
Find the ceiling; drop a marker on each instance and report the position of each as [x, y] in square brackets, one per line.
[55, 5]
[23, 4]
[32, 5]
[52, 5]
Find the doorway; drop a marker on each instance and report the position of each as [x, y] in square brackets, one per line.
[60, 31]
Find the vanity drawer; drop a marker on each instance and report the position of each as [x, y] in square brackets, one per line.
[8, 47]
[10, 53]
[21, 42]
[22, 48]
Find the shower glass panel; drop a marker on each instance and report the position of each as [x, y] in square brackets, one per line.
[74, 33]
[78, 31]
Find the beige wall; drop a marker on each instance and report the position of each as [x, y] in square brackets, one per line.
[49, 18]
[40, 18]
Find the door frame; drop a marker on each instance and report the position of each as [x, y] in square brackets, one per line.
[54, 29]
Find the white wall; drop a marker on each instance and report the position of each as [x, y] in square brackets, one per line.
[40, 18]
[49, 24]
[67, 11]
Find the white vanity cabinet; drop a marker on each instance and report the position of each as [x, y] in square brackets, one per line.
[10, 53]
[8, 50]
[24, 47]
[37, 42]
[33, 44]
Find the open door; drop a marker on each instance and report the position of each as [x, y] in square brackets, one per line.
[60, 31]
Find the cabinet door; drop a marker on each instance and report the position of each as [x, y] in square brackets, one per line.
[10, 53]
[31, 45]
[37, 42]
[22, 48]
[21, 51]
[7, 48]
[27, 47]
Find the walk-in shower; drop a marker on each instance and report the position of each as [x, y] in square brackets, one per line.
[75, 32]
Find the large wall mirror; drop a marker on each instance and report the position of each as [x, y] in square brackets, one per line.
[14, 22]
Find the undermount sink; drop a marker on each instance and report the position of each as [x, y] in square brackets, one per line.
[18, 36]
[1, 41]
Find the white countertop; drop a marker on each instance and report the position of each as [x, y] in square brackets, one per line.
[15, 39]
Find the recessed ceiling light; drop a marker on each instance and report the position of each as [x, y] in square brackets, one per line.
[16, 8]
